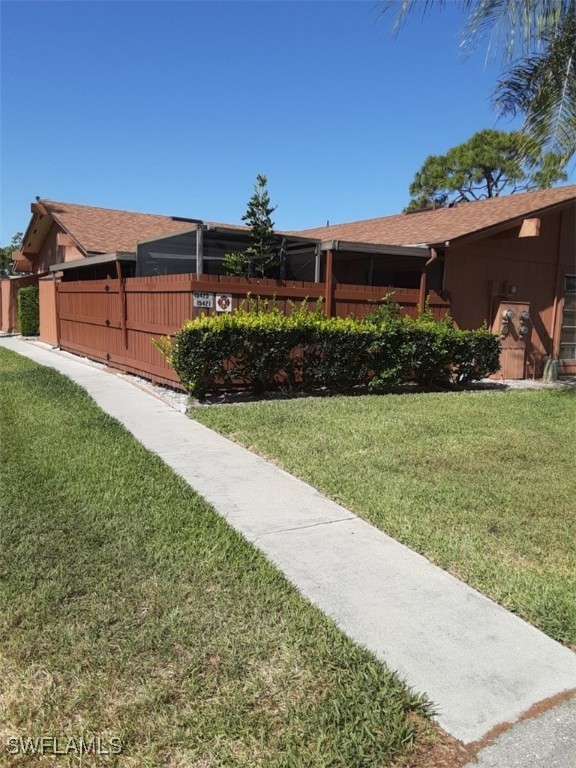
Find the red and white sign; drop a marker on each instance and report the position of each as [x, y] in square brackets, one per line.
[223, 302]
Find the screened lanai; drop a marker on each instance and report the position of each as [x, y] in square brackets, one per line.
[201, 250]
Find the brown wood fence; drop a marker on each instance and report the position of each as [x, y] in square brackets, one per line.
[48, 318]
[115, 321]
[360, 300]
[9, 301]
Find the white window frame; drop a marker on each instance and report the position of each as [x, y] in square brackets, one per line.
[571, 325]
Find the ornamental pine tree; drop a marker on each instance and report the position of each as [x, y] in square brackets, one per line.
[261, 255]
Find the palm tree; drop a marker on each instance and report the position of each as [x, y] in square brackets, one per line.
[542, 86]
[538, 39]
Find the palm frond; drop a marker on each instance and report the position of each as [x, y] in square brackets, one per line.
[543, 87]
[539, 38]
[514, 27]
[403, 9]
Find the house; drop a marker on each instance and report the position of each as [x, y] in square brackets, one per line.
[507, 254]
[508, 262]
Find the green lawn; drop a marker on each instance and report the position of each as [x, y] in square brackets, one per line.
[129, 609]
[482, 483]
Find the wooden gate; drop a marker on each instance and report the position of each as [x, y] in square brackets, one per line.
[114, 322]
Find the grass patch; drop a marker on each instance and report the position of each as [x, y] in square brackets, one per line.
[131, 610]
[480, 483]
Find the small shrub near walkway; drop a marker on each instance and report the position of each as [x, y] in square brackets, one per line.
[260, 350]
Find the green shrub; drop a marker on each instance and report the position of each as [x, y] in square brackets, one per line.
[28, 311]
[474, 355]
[259, 349]
[435, 352]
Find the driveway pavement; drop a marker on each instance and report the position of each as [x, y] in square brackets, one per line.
[480, 664]
[545, 741]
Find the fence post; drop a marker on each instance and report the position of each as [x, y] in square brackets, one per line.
[329, 291]
[13, 321]
[1, 311]
[122, 297]
[57, 302]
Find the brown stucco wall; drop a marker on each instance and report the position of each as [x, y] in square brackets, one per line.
[476, 274]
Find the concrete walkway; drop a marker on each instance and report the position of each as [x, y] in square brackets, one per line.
[480, 664]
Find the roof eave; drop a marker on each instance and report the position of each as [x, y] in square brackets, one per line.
[504, 225]
[101, 258]
[420, 250]
[38, 211]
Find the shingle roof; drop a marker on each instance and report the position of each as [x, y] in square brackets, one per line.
[444, 224]
[105, 230]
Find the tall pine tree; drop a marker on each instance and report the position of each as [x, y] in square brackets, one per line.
[489, 164]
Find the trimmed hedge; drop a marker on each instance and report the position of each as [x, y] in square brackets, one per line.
[260, 350]
[28, 311]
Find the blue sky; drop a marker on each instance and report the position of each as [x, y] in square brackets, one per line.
[174, 107]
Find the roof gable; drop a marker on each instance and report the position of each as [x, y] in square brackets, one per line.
[106, 230]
